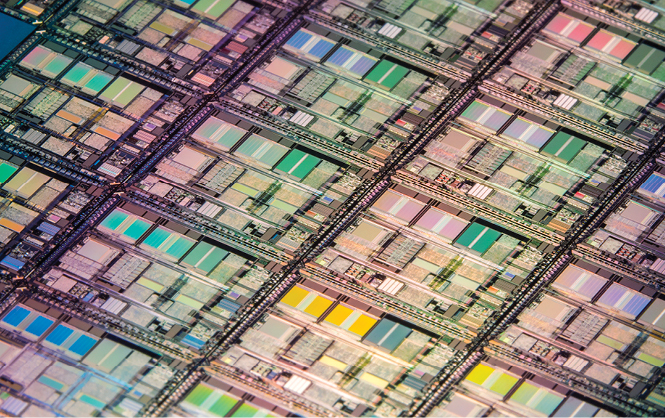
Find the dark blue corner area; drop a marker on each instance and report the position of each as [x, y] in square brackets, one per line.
[12, 32]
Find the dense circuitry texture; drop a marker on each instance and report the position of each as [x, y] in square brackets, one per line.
[257, 208]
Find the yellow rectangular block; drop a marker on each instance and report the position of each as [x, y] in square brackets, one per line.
[199, 44]
[318, 306]
[362, 325]
[162, 28]
[186, 300]
[479, 374]
[520, 175]
[374, 380]
[295, 296]
[329, 361]
[338, 315]
[150, 284]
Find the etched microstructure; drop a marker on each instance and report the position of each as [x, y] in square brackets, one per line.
[332, 208]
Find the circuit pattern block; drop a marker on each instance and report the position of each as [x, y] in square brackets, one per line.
[332, 208]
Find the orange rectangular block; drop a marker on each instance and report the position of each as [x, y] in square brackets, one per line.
[107, 133]
[70, 117]
[11, 225]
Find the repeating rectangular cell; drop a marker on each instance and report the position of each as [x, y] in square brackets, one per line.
[639, 214]
[536, 398]
[564, 147]
[573, 407]
[654, 187]
[191, 159]
[17, 217]
[350, 319]
[645, 59]
[88, 79]
[461, 406]
[306, 301]
[205, 37]
[204, 257]
[124, 225]
[654, 315]
[261, 150]
[58, 377]
[478, 237]
[579, 283]
[283, 68]
[388, 335]
[624, 301]
[544, 52]
[17, 86]
[45, 61]
[486, 115]
[452, 148]
[558, 311]
[6, 170]
[30, 324]
[298, 164]
[219, 133]
[208, 401]
[441, 223]
[26, 182]
[97, 251]
[396, 204]
[609, 43]
[370, 232]
[193, 341]
[91, 397]
[106, 356]
[387, 74]
[72, 341]
[247, 410]
[169, 243]
[121, 92]
[573, 29]
[529, 132]
[491, 379]
[348, 59]
[309, 44]
[212, 8]
[283, 206]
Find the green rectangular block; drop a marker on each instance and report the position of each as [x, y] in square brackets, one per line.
[199, 395]
[245, 189]
[219, 8]
[394, 76]
[379, 70]
[137, 229]
[115, 358]
[305, 167]
[212, 260]
[340, 101]
[222, 406]
[157, 237]
[179, 247]
[564, 146]
[6, 171]
[114, 219]
[115, 88]
[129, 93]
[290, 160]
[99, 353]
[478, 237]
[651, 360]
